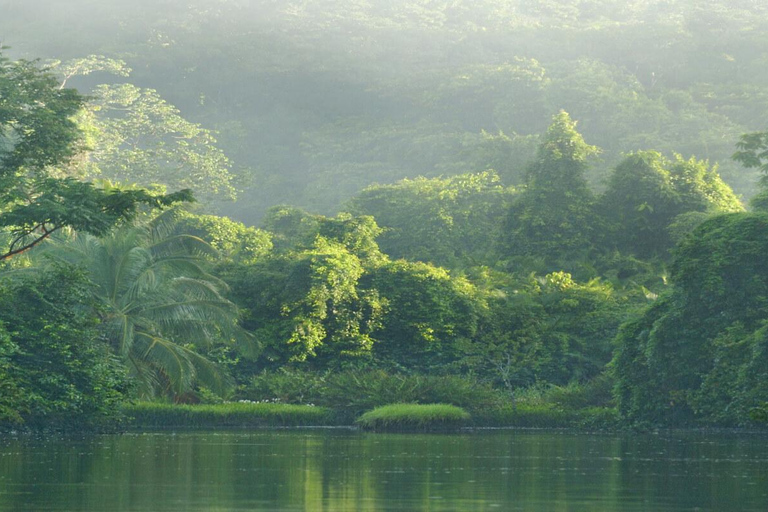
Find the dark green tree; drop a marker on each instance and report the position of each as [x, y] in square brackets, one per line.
[429, 315]
[700, 350]
[753, 154]
[553, 217]
[54, 369]
[647, 193]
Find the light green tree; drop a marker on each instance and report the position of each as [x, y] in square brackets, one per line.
[135, 136]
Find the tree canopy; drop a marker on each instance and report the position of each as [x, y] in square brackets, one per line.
[36, 134]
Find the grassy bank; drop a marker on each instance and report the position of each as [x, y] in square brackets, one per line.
[414, 417]
[393, 417]
[147, 415]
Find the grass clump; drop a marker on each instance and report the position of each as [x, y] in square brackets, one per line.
[235, 414]
[410, 417]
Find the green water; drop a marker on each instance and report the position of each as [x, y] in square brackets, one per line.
[332, 470]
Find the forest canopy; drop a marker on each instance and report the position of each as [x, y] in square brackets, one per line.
[554, 206]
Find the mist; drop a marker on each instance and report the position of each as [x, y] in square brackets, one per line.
[314, 101]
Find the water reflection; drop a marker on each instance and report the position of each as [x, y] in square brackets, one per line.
[352, 471]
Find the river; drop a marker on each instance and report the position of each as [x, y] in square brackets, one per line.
[345, 470]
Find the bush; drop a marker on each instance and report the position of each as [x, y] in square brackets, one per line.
[760, 413]
[408, 417]
[55, 373]
[350, 393]
[354, 392]
[548, 416]
[285, 385]
[249, 414]
[597, 392]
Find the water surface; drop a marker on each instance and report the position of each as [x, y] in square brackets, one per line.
[340, 470]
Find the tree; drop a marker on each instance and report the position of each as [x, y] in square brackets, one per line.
[429, 315]
[445, 221]
[552, 217]
[135, 136]
[308, 305]
[753, 154]
[548, 329]
[158, 307]
[36, 134]
[700, 351]
[232, 240]
[647, 194]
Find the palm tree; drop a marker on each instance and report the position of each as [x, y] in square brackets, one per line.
[157, 304]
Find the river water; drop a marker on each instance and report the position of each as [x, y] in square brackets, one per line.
[345, 470]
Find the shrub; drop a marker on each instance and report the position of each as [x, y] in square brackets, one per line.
[285, 385]
[548, 416]
[350, 393]
[55, 373]
[407, 417]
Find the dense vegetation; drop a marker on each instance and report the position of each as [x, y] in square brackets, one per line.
[509, 261]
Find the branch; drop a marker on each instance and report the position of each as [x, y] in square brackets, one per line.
[13, 252]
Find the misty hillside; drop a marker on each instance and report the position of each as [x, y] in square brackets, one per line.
[314, 101]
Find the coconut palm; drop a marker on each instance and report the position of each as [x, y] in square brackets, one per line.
[158, 305]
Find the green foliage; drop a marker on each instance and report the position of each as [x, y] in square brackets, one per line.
[291, 227]
[54, 370]
[699, 352]
[285, 385]
[428, 313]
[36, 129]
[753, 153]
[449, 222]
[403, 416]
[552, 217]
[232, 240]
[308, 304]
[135, 136]
[153, 415]
[421, 81]
[760, 413]
[647, 194]
[37, 133]
[350, 393]
[158, 307]
[550, 329]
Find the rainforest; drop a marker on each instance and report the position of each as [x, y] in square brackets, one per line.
[544, 213]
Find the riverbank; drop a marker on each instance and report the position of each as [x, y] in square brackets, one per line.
[149, 415]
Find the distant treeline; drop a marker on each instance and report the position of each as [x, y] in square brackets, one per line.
[314, 101]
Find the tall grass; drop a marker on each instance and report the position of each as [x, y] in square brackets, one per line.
[161, 415]
[410, 417]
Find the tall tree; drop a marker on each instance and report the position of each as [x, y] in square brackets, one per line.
[552, 218]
